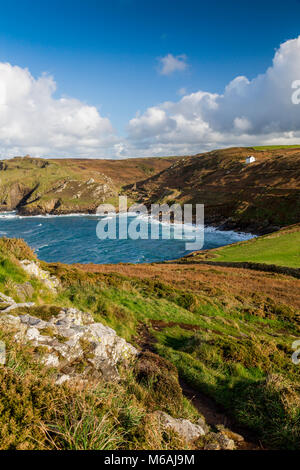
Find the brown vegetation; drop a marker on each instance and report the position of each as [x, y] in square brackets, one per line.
[255, 197]
[215, 281]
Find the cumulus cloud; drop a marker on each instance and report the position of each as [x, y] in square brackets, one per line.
[171, 63]
[33, 121]
[248, 112]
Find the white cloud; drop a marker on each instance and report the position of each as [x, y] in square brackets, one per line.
[171, 63]
[248, 112]
[242, 124]
[33, 121]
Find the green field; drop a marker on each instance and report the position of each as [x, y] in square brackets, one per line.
[280, 248]
[271, 147]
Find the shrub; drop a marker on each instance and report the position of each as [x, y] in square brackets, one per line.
[161, 379]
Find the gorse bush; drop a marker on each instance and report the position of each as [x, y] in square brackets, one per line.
[17, 248]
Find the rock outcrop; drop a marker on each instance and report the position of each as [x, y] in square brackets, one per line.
[200, 434]
[33, 269]
[73, 343]
[7, 304]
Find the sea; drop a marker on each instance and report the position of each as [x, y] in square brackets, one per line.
[73, 239]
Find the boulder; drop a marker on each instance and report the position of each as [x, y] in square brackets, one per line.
[218, 441]
[183, 427]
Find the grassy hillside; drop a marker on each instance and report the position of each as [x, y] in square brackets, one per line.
[280, 248]
[35, 413]
[228, 332]
[36, 186]
[256, 197]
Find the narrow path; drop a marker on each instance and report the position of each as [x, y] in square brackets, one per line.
[213, 413]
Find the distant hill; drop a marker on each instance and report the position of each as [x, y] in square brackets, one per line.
[257, 197]
[58, 186]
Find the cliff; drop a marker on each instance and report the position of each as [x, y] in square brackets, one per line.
[39, 186]
[257, 197]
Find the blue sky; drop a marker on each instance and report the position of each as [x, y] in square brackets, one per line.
[106, 53]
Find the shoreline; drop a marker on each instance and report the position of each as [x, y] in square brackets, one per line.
[188, 231]
[217, 227]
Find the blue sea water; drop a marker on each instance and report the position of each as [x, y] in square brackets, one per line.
[73, 239]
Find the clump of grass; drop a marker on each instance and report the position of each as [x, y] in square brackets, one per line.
[10, 271]
[160, 378]
[17, 248]
[272, 408]
[44, 312]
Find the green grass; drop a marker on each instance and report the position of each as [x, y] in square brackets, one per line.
[233, 347]
[231, 354]
[271, 147]
[13, 277]
[282, 249]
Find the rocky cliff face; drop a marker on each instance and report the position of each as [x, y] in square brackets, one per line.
[38, 186]
[259, 197]
[70, 196]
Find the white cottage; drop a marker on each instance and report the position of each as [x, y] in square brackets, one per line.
[250, 159]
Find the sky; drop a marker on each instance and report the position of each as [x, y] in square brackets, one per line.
[130, 78]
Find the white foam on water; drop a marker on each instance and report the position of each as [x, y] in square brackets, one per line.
[42, 246]
[15, 215]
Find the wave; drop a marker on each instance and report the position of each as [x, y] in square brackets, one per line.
[152, 219]
[190, 227]
[15, 215]
[42, 246]
[184, 232]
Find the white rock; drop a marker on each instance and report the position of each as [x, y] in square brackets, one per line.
[62, 379]
[51, 360]
[72, 336]
[10, 320]
[33, 334]
[185, 428]
[33, 321]
[34, 269]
